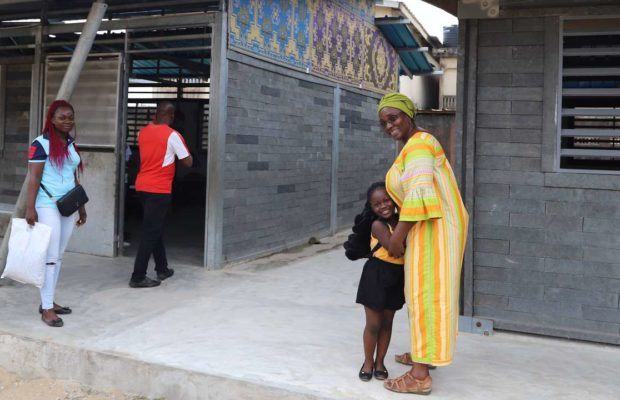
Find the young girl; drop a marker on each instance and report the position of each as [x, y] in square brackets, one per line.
[381, 289]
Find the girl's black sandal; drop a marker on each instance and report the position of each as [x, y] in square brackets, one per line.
[381, 375]
[365, 376]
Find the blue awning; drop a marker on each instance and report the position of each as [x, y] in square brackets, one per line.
[400, 37]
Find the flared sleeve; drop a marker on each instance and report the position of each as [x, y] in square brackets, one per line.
[420, 200]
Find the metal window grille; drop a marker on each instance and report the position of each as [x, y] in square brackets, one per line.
[204, 137]
[138, 115]
[589, 133]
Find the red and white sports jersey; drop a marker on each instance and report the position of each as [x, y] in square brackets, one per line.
[159, 145]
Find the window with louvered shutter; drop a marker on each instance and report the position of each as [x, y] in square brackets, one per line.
[589, 110]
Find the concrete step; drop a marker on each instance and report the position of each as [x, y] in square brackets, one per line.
[109, 371]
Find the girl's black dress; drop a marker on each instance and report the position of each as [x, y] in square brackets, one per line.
[382, 284]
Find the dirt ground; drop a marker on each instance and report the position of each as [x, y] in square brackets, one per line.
[14, 388]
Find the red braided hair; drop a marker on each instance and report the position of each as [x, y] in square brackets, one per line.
[59, 152]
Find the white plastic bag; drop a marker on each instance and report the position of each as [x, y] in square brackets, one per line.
[28, 245]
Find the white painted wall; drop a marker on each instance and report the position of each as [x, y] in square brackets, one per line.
[447, 81]
[423, 90]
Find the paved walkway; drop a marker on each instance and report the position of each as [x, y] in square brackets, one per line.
[284, 327]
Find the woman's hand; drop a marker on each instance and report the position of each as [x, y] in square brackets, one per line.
[397, 247]
[82, 213]
[31, 216]
[397, 241]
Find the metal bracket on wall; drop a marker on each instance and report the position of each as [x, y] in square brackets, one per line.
[475, 325]
[477, 9]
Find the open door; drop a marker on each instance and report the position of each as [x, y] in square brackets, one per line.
[96, 103]
[170, 64]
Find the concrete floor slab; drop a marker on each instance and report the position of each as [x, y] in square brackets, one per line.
[283, 327]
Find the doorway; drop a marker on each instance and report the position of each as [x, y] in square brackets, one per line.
[96, 133]
[173, 65]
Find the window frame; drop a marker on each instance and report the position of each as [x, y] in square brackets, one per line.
[3, 70]
[559, 100]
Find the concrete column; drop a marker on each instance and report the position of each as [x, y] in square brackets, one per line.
[2, 105]
[465, 145]
[552, 89]
[218, 101]
[120, 145]
[36, 87]
[333, 223]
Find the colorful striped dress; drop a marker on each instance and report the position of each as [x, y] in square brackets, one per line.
[422, 183]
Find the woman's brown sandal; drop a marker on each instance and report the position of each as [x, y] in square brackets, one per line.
[407, 383]
[405, 358]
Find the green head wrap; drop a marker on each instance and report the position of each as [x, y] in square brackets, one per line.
[398, 101]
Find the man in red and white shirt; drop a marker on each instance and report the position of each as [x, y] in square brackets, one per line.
[159, 146]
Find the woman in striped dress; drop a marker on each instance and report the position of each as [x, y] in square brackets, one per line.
[431, 234]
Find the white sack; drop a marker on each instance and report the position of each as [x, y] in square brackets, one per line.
[28, 245]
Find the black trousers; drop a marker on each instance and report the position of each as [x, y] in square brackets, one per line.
[155, 206]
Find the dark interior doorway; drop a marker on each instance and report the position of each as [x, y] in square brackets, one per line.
[174, 67]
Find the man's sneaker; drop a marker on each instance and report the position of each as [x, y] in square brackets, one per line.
[144, 283]
[162, 276]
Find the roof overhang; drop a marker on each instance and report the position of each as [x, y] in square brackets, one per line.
[408, 37]
[450, 6]
[455, 7]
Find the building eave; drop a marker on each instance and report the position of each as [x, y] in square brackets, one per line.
[450, 6]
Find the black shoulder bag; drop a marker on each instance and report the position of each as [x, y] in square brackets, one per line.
[71, 201]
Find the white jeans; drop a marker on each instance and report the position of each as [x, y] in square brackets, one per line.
[62, 227]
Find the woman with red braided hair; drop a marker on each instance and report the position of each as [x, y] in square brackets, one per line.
[53, 163]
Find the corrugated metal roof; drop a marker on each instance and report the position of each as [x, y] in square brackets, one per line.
[400, 37]
[166, 68]
[76, 9]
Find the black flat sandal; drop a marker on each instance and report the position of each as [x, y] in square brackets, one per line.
[60, 310]
[380, 375]
[365, 376]
[55, 323]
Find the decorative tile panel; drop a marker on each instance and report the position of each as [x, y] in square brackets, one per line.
[334, 39]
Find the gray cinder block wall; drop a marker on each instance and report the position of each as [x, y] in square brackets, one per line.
[442, 125]
[278, 160]
[546, 243]
[277, 171]
[13, 158]
[366, 153]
